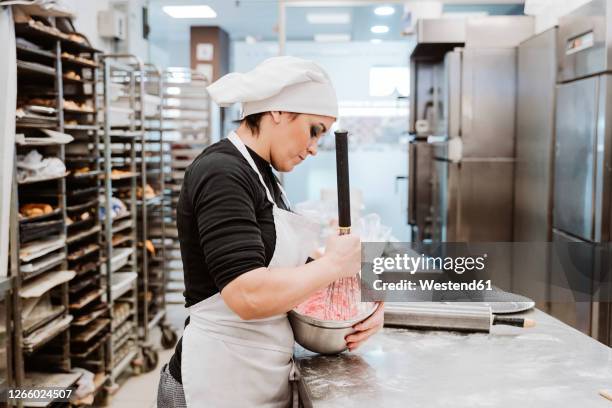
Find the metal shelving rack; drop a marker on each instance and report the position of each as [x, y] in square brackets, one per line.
[186, 113]
[42, 243]
[92, 314]
[90, 329]
[152, 159]
[123, 129]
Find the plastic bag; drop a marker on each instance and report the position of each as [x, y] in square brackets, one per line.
[84, 392]
[33, 167]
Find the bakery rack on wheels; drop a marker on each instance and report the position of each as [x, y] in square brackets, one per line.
[47, 251]
[123, 129]
[186, 113]
[152, 159]
[90, 328]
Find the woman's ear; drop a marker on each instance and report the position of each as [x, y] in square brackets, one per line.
[276, 116]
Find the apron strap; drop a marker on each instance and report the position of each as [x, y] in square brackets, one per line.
[239, 144]
[283, 195]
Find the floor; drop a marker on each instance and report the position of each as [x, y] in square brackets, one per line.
[140, 391]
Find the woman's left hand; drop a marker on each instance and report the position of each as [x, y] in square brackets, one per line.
[366, 328]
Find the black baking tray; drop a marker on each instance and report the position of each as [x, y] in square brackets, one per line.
[81, 225]
[35, 230]
[80, 206]
[83, 191]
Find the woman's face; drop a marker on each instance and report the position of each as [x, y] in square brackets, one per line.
[295, 136]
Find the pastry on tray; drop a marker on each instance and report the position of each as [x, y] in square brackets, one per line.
[72, 75]
[35, 209]
[148, 192]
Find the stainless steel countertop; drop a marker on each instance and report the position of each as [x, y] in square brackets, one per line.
[551, 365]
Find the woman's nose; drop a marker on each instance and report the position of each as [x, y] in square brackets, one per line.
[312, 149]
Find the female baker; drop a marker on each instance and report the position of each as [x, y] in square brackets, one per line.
[244, 253]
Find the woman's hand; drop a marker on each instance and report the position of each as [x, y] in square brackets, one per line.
[366, 328]
[317, 253]
[344, 251]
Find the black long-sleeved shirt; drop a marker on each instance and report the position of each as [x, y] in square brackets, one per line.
[225, 223]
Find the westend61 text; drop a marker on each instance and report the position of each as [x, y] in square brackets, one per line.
[430, 284]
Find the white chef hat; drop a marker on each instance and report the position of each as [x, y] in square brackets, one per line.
[287, 84]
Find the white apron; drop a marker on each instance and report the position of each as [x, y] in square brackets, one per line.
[230, 362]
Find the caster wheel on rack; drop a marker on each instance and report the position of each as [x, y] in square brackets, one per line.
[168, 338]
[103, 399]
[138, 364]
[151, 358]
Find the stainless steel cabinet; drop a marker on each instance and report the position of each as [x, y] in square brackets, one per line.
[475, 114]
[583, 148]
[472, 201]
[583, 178]
[535, 136]
[534, 166]
[473, 179]
[565, 282]
[585, 35]
[575, 155]
[488, 96]
[428, 112]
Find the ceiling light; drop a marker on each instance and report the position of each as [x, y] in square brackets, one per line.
[328, 18]
[190, 11]
[379, 29]
[384, 11]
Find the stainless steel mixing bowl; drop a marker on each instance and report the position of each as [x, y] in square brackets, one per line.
[324, 336]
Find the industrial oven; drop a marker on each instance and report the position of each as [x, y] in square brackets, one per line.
[463, 118]
[434, 38]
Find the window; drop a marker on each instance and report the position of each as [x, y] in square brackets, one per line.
[389, 81]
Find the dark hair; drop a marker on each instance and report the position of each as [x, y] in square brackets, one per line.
[254, 120]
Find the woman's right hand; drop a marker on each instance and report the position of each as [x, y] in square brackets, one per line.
[345, 252]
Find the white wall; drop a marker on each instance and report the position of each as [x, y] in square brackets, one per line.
[167, 52]
[547, 12]
[373, 167]
[348, 64]
[86, 22]
[135, 42]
